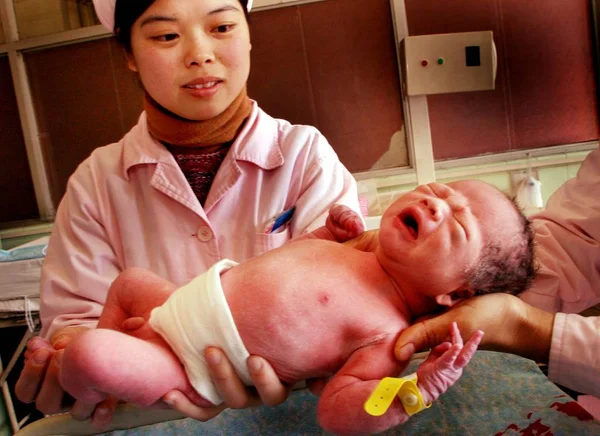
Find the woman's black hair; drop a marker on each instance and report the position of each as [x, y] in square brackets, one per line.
[128, 11]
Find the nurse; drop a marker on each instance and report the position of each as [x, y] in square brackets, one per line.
[201, 177]
[543, 323]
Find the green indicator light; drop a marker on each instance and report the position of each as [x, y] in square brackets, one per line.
[441, 61]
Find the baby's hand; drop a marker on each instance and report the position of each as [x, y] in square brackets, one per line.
[445, 363]
[344, 223]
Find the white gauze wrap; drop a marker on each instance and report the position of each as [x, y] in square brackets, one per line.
[197, 316]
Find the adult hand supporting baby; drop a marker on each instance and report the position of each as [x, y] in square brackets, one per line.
[39, 379]
[510, 325]
[268, 389]
[134, 294]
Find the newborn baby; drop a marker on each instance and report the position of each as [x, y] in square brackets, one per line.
[315, 308]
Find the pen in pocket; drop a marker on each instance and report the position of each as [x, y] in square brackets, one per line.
[281, 220]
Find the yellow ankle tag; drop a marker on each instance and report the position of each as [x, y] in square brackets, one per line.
[406, 389]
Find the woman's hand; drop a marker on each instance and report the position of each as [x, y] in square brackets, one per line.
[131, 298]
[510, 325]
[39, 381]
[268, 389]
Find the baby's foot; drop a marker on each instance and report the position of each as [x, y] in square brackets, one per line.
[445, 363]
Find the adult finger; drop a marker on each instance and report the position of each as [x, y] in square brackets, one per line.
[36, 343]
[270, 389]
[422, 335]
[104, 412]
[61, 338]
[178, 401]
[32, 375]
[50, 398]
[317, 385]
[230, 387]
[82, 411]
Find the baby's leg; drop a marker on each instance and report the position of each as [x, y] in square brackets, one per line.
[445, 363]
[102, 363]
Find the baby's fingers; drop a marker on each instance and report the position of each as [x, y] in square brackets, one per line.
[439, 350]
[469, 349]
[448, 359]
[455, 334]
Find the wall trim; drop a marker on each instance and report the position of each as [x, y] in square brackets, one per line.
[486, 164]
[26, 230]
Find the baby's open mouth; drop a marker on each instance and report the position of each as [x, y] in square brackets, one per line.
[410, 222]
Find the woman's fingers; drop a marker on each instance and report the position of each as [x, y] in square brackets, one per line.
[270, 389]
[82, 411]
[50, 398]
[231, 389]
[104, 412]
[178, 401]
[422, 335]
[32, 375]
[317, 385]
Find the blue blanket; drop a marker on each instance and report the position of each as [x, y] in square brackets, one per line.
[23, 253]
[499, 394]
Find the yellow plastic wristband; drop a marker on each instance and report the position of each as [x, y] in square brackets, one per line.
[406, 388]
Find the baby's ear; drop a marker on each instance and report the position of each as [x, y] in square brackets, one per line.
[451, 298]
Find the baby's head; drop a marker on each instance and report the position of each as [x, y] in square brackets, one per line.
[455, 240]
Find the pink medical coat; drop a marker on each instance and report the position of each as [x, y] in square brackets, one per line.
[568, 251]
[130, 205]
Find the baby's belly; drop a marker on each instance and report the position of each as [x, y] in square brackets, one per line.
[308, 312]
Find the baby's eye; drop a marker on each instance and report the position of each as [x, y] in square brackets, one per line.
[166, 38]
[223, 28]
[440, 191]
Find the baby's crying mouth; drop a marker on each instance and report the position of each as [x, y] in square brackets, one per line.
[411, 224]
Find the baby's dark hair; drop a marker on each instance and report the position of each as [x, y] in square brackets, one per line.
[128, 11]
[508, 265]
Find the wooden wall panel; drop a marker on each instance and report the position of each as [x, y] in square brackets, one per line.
[311, 65]
[333, 65]
[279, 79]
[545, 90]
[552, 84]
[17, 196]
[85, 98]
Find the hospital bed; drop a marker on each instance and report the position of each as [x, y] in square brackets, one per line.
[498, 394]
[20, 281]
[19, 303]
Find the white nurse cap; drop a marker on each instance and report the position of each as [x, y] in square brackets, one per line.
[105, 10]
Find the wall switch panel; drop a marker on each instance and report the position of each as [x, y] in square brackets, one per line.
[447, 63]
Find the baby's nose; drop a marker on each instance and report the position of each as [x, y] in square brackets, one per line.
[438, 208]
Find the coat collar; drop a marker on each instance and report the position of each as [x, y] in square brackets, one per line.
[257, 143]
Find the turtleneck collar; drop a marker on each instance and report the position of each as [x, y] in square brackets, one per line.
[172, 129]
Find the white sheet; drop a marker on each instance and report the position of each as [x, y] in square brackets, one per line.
[20, 280]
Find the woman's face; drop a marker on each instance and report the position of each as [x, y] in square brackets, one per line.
[193, 57]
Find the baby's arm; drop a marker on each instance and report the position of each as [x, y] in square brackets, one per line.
[342, 224]
[341, 408]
